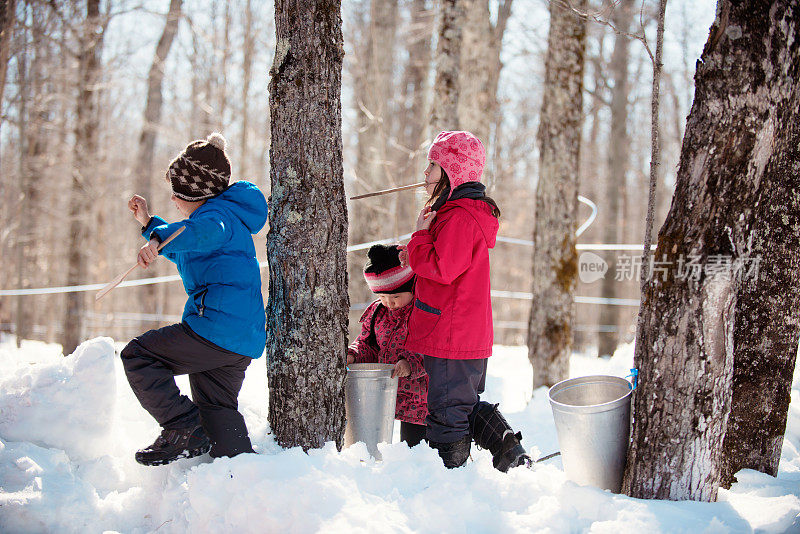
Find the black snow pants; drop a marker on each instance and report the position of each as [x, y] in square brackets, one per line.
[153, 359]
[454, 389]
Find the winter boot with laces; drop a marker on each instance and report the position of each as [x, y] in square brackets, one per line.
[174, 444]
[491, 431]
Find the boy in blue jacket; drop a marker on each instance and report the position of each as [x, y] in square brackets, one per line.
[223, 324]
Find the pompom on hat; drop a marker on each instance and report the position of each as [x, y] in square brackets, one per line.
[461, 155]
[384, 273]
[201, 171]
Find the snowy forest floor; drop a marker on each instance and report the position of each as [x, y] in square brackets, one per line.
[69, 428]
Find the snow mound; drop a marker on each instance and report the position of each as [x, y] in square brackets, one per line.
[60, 402]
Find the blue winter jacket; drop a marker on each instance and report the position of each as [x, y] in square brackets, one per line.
[216, 259]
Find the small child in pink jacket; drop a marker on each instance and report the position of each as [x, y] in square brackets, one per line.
[384, 326]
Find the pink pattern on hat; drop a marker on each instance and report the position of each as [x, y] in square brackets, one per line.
[461, 155]
[389, 279]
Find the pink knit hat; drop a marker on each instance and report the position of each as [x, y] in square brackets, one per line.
[384, 273]
[461, 155]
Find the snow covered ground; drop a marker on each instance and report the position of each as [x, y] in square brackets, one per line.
[69, 428]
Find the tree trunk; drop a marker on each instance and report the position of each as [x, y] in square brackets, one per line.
[374, 110]
[83, 172]
[7, 20]
[444, 113]
[308, 304]
[209, 63]
[480, 72]
[147, 139]
[554, 257]
[248, 49]
[415, 81]
[413, 116]
[718, 343]
[475, 104]
[765, 336]
[375, 98]
[24, 242]
[35, 110]
[593, 165]
[222, 85]
[618, 148]
[196, 113]
[495, 117]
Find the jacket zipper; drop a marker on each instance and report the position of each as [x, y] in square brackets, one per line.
[202, 308]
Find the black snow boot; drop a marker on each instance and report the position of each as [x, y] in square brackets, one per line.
[512, 454]
[491, 431]
[172, 445]
[453, 454]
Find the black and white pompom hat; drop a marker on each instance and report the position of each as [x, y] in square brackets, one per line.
[201, 171]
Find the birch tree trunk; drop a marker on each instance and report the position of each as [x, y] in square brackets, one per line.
[444, 113]
[554, 258]
[147, 139]
[306, 244]
[87, 116]
[718, 342]
[618, 149]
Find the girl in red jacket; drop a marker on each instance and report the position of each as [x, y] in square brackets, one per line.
[451, 320]
[384, 326]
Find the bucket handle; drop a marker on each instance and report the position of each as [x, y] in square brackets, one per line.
[634, 378]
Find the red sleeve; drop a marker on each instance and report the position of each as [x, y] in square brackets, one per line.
[444, 259]
[361, 350]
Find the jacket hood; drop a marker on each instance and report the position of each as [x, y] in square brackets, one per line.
[481, 212]
[245, 201]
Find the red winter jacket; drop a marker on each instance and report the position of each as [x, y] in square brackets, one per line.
[452, 316]
[391, 328]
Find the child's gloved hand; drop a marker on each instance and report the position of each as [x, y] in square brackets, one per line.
[148, 253]
[350, 358]
[425, 218]
[402, 368]
[138, 206]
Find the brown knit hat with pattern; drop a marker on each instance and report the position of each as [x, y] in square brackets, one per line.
[201, 171]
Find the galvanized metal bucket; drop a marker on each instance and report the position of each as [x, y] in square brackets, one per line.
[370, 398]
[593, 417]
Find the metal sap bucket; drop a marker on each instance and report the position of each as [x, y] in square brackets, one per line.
[370, 398]
[593, 418]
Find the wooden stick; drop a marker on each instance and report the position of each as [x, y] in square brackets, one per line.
[383, 192]
[120, 277]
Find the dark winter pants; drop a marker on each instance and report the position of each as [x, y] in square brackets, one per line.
[454, 388]
[411, 433]
[215, 375]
